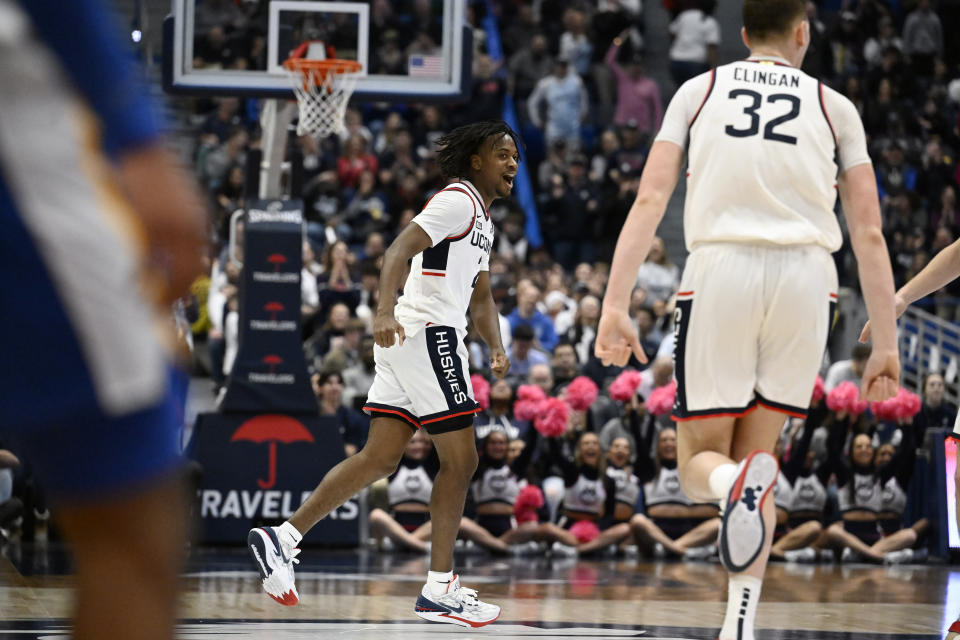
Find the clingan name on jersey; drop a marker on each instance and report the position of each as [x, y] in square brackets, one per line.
[768, 77]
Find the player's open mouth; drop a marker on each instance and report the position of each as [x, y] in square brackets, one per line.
[509, 180]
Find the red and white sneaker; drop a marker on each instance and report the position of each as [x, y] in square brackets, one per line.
[457, 606]
[742, 529]
[275, 563]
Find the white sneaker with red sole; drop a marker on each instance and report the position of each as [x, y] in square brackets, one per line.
[742, 530]
[275, 563]
[458, 606]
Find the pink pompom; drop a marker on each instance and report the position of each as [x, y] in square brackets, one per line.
[843, 397]
[907, 404]
[528, 501]
[857, 407]
[529, 397]
[662, 398]
[625, 385]
[581, 393]
[585, 531]
[552, 416]
[886, 410]
[818, 391]
[481, 390]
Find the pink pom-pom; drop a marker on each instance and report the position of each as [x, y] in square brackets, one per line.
[625, 385]
[886, 410]
[528, 501]
[843, 397]
[858, 406]
[581, 393]
[907, 404]
[529, 397]
[552, 416]
[585, 531]
[481, 390]
[818, 391]
[662, 398]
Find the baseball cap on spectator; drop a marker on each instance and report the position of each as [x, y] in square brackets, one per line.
[523, 333]
[555, 299]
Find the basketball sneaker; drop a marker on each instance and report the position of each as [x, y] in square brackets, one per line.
[457, 605]
[742, 529]
[275, 562]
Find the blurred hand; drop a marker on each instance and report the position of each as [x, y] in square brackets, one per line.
[170, 208]
[881, 376]
[901, 306]
[385, 329]
[499, 364]
[8, 460]
[616, 339]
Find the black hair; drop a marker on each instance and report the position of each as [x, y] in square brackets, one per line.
[455, 148]
[764, 19]
[325, 376]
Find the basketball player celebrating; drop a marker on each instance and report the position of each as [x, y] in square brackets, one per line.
[943, 269]
[422, 378]
[753, 310]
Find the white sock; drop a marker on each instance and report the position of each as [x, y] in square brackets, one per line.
[720, 481]
[438, 581]
[289, 536]
[743, 594]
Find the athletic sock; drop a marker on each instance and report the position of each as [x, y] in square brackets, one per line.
[288, 535]
[720, 481]
[438, 581]
[743, 593]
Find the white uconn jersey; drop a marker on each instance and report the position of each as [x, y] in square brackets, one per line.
[442, 277]
[766, 142]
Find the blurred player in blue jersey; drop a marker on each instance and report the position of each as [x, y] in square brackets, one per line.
[100, 229]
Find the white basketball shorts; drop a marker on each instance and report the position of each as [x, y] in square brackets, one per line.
[751, 325]
[424, 382]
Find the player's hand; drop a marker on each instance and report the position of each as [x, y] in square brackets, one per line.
[617, 338]
[499, 364]
[881, 376]
[170, 208]
[385, 329]
[901, 307]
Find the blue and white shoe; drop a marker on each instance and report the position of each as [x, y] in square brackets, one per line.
[742, 530]
[275, 562]
[457, 606]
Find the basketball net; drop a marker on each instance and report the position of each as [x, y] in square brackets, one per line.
[323, 89]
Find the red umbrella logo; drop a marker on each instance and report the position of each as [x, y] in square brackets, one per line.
[274, 308]
[271, 428]
[272, 360]
[277, 259]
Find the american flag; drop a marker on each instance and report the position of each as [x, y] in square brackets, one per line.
[425, 66]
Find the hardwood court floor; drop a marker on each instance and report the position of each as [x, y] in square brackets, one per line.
[359, 595]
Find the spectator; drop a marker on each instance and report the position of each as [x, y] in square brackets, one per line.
[559, 103]
[561, 310]
[354, 161]
[366, 212]
[542, 376]
[522, 353]
[526, 314]
[658, 277]
[848, 370]
[923, 38]
[569, 214]
[935, 412]
[351, 425]
[638, 97]
[647, 331]
[330, 335]
[575, 46]
[658, 374]
[499, 416]
[358, 378]
[338, 282]
[875, 46]
[565, 364]
[696, 36]
[528, 65]
[584, 330]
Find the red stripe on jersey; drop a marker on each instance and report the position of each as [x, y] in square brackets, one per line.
[833, 295]
[685, 293]
[473, 191]
[713, 80]
[472, 220]
[434, 273]
[452, 415]
[826, 115]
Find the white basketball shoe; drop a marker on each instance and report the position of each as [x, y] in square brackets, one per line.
[275, 562]
[458, 606]
[742, 530]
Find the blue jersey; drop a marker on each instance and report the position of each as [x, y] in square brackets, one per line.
[76, 331]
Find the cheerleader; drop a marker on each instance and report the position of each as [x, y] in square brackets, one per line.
[408, 494]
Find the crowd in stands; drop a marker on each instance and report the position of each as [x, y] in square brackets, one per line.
[588, 112]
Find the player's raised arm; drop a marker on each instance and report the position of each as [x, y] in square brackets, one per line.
[411, 241]
[944, 268]
[483, 311]
[616, 335]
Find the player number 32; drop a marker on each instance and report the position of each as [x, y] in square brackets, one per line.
[769, 132]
